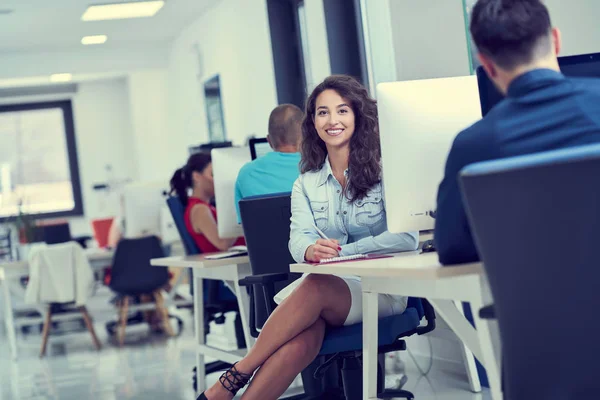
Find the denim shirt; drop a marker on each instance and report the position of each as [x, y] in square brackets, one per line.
[359, 226]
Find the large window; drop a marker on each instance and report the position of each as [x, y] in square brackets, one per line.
[38, 161]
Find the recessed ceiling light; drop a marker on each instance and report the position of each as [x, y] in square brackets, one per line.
[137, 9]
[95, 39]
[61, 77]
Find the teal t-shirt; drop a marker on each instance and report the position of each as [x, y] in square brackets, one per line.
[272, 173]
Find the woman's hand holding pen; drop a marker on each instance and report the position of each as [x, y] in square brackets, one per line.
[322, 249]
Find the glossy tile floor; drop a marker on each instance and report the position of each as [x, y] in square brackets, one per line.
[149, 367]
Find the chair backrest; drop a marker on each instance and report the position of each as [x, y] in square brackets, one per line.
[52, 233]
[178, 212]
[132, 273]
[214, 291]
[266, 222]
[535, 220]
[417, 304]
[59, 273]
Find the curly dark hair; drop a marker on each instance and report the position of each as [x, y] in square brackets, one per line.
[364, 168]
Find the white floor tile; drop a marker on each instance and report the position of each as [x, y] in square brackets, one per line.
[149, 367]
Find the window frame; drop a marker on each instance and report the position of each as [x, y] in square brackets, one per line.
[67, 110]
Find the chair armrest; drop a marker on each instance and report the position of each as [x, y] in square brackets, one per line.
[429, 317]
[264, 283]
[488, 312]
[264, 279]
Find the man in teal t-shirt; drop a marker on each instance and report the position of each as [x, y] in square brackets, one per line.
[275, 172]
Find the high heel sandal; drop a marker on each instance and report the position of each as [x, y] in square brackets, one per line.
[232, 380]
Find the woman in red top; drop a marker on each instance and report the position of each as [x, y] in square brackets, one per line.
[200, 216]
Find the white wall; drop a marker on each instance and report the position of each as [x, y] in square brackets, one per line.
[429, 39]
[103, 133]
[156, 155]
[232, 39]
[578, 21]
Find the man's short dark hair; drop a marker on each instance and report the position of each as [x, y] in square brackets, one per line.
[285, 125]
[511, 32]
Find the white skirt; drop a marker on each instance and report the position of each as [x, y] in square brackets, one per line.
[388, 304]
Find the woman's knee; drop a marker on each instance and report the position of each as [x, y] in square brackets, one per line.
[305, 347]
[316, 286]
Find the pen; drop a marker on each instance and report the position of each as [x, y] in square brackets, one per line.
[323, 236]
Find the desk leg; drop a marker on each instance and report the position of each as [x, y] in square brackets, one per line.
[484, 333]
[459, 324]
[370, 345]
[469, 360]
[199, 328]
[244, 304]
[9, 319]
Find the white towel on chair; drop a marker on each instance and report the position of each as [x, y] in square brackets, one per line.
[59, 273]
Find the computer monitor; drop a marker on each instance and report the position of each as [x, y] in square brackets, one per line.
[57, 233]
[418, 121]
[586, 66]
[259, 147]
[142, 204]
[51, 233]
[207, 147]
[226, 166]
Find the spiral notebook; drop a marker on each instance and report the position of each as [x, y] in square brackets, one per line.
[355, 257]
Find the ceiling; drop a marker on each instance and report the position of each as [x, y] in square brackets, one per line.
[45, 26]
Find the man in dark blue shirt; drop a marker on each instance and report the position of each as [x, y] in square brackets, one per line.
[543, 110]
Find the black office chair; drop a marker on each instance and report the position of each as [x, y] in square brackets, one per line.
[535, 221]
[218, 299]
[134, 279]
[270, 260]
[56, 233]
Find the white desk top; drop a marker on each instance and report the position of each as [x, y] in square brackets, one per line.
[13, 264]
[93, 255]
[197, 261]
[409, 264]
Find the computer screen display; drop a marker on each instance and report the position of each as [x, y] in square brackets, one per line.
[142, 203]
[259, 147]
[587, 65]
[226, 166]
[418, 121]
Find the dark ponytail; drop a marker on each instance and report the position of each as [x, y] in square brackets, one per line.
[182, 178]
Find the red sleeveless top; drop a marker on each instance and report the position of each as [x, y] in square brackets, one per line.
[202, 241]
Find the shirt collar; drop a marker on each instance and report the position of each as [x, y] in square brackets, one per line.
[533, 80]
[279, 153]
[326, 172]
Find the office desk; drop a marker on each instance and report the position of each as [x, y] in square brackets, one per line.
[230, 270]
[99, 258]
[421, 275]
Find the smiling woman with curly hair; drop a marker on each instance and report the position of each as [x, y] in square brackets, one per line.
[364, 148]
[339, 193]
